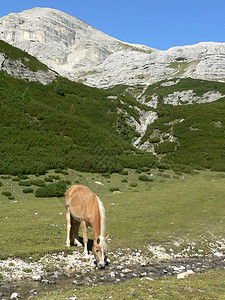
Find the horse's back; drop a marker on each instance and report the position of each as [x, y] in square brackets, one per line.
[81, 201]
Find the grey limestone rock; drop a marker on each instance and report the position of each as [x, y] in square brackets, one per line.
[80, 52]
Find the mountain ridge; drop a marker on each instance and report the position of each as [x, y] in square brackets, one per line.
[76, 50]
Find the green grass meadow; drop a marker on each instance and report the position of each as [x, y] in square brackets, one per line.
[167, 209]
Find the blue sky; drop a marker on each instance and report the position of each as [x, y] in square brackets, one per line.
[159, 24]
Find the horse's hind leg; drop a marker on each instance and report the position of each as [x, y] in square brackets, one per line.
[76, 230]
[72, 231]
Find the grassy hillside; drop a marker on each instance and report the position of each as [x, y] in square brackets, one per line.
[69, 125]
[64, 124]
[197, 132]
[186, 137]
[189, 136]
[198, 86]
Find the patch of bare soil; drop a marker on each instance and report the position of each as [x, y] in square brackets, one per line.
[123, 267]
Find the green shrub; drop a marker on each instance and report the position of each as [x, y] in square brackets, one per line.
[58, 170]
[154, 140]
[5, 177]
[106, 175]
[28, 190]
[52, 190]
[114, 189]
[25, 183]
[145, 178]
[163, 166]
[16, 179]
[179, 169]
[165, 147]
[1, 184]
[7, 194]
[124, 180]
[65, 172]
[48, 179]
[133, 184]
[20, 177]
[124, 172]
[218, 168]
[39, 183]
[164, 175]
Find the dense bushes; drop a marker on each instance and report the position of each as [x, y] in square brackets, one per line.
[39, 183]
[165, 147]
[145, 178]
[199, 133]
[64, 124]
[28, 190]
[69, 125]
[52, 190]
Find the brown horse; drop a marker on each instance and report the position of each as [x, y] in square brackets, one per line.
[84, 208]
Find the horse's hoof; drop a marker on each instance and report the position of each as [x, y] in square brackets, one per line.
[86, 258]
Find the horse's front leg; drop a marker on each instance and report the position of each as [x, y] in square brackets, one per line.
[68, 227]
[85, 238]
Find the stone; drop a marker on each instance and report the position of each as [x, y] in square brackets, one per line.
[184, 274]
[15, 296]
[112, 274]
[36, 277]
[126, 271]
[33, 292]
[218, 254]
[147, 278]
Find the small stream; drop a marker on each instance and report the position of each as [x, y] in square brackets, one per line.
[113, 274]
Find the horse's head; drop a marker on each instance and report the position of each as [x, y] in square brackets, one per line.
[99, 250]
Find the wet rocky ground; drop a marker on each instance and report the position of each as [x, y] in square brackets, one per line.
[24, 280]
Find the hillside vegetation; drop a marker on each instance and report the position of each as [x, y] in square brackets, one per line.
[191, 136]
[63, 124]
[69, 125]
[188, 136]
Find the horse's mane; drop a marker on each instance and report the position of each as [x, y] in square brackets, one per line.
[102, 225]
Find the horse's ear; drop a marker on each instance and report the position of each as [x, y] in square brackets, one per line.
[106, 238]
[98, 241]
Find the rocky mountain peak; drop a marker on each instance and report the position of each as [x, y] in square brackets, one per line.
[80, 52]
[57, 39]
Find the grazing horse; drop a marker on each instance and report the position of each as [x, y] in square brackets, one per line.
[84, 208]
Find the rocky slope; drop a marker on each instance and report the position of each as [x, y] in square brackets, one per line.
[19, 64]
[18, 69]
[78, 51]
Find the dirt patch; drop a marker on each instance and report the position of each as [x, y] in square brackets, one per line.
[123, 269]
